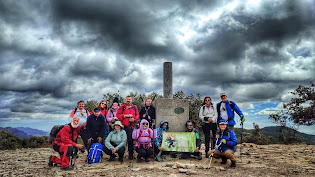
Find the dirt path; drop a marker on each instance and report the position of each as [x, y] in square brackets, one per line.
[264, 160]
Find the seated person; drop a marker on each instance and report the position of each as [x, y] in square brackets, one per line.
[95, 128]
[64, 143]
[190, 128]
[143, 137]
[158, 140]
[116, 141]
[229, 142]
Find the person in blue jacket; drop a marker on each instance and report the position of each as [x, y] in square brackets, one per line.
[96, 128]
[226, 109]
[229, 142]
[158, 140]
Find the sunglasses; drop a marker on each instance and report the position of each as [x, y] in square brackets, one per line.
[103, 103]
[145, 124]
[189, 125]
[208, 100]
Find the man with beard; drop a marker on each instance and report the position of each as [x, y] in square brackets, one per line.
[128, 115]
[64, 143]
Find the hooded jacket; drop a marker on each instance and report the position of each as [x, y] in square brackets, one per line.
[111, 115]
[211, 113]
[231, 140]
[160, 130]
[145, 135]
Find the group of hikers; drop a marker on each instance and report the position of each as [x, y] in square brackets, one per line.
[116, 125]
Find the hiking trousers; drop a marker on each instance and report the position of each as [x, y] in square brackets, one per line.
[229, 154]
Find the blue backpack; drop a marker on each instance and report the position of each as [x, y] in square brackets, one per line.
[95, 153]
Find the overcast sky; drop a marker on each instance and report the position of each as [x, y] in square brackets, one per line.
[54, 53]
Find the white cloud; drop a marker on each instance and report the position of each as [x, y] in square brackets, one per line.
[269, 111]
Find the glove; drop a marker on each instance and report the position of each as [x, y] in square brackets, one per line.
[223, 141]
[137, 126]
[206, 118]
[243, 119]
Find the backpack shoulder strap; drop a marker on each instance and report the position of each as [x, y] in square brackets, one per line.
[232, 106]
[134, 109]
[75, 110]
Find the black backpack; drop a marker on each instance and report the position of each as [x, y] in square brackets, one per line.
[55, 130]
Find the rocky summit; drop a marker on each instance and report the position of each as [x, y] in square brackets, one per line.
[257, 160]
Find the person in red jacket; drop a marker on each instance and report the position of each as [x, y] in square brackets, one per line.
[103, 107]
[128, 115]
[64, 143]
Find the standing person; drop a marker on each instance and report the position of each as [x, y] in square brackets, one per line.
[128, 115]
[95, 128]
[143, 137]
[64, 143]
[147, 112]
[115, 142]
[190, 128]
[103, 107]
[111, 115]
[158, 140]
[208, 115]
[83, 114]
[229, 142]
[226, 110]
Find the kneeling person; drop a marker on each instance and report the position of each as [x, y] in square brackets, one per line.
[229, 142]
[64, 143]
[116, 141]
[190, 128]
[143, 137]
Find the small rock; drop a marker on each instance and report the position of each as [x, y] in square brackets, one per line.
[191, 172]
[190, 166]
[136, 169]
[179, 165]
[169, 164]
[181, 170]
[174, 166]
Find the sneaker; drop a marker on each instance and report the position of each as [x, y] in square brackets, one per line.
[158, 158]
[50, 163]
[233, 164]
[200, 156]
[70, 167]
[223, 160]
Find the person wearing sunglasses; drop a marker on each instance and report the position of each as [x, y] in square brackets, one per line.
[103, 107]
[158, 141]
[143, 137]
[148, 111]
[190, 128]
[208, 115]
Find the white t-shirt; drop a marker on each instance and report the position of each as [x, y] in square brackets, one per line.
[223, 112]
[81, 114]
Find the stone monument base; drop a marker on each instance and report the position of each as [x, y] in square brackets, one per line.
[175, 111]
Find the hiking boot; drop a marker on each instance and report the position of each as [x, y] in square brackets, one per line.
[207, 156]
[147, 160]
[158, 158]
[130, 157]
[121, 159]
[50, 163]
[223, 160]
[233, 164]
[70, 167]
[111, 158]
[200, 156]
[138, 160]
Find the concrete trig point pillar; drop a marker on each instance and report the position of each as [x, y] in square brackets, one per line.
[175, 111]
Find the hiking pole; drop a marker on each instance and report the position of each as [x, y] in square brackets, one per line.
[213, 153]
[209, 156]
[241, 141]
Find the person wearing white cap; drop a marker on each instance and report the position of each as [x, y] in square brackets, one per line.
[228, 141]
[226, 109]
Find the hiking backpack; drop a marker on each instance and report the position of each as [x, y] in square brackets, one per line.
[95, 153]
[54, 131]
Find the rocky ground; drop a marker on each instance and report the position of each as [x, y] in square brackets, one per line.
[257, 160]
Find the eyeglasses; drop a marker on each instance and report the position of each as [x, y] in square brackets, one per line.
[189, 125]
[103, 103]
[145, 124]
[208, 100]
[164, 125]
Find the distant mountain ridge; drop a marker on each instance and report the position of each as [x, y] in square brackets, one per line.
[24, 132]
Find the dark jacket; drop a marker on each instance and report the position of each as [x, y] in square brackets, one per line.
[96, 126]
[148, 111]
